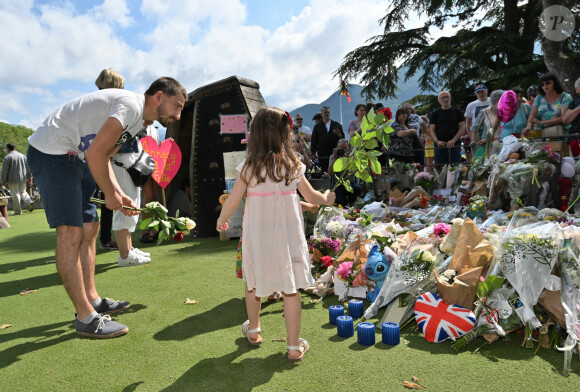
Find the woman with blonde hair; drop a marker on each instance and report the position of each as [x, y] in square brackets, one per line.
[121, 224]
[109, 78]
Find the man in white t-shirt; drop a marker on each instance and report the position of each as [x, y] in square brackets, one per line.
[67, 154]
[303, 130]
[471, 112]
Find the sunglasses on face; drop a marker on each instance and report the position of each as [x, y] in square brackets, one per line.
[546, 83]
[298, 119]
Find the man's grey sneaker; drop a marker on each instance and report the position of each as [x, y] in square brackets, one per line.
[101, 327]
[141, 253]
[109, 306]
[133, 259]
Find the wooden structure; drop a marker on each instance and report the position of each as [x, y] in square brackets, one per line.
[202, 145]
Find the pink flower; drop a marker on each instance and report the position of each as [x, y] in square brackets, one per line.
[360, 280]
[441, 229]
[423, 176]
[344, 270]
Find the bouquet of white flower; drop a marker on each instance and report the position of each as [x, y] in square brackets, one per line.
[526, 258]
[569, 264]
[168, 227]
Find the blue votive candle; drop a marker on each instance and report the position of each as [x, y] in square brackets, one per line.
[366, 334]
[391, 333]
[355, 308]
[344, 326]
[333, 312]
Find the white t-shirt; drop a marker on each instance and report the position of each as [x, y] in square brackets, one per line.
[473, 109]
[305, 130]
[74, 125]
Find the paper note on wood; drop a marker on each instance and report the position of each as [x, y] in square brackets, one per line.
[236, 123]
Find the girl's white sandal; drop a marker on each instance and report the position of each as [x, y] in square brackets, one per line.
[303, 346]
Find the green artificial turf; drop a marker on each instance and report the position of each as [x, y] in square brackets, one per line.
[177, 347]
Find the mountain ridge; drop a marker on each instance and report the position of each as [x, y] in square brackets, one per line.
[406, 91]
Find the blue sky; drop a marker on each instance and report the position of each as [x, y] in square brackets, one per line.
[55, 49]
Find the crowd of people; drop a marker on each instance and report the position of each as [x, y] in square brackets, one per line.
[89, 141]
[450, 135]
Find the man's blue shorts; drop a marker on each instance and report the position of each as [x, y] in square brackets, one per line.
[65, 185]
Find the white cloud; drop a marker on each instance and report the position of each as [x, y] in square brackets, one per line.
[54, 47]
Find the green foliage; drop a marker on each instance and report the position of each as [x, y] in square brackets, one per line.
[363, 157]
[17, 134]
[491, 283]
[167, 226]
[500, 54]
[200, 347]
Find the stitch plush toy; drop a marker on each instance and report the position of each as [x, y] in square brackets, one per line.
[376, 269]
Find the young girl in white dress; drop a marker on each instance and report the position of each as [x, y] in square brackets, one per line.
[274, 251]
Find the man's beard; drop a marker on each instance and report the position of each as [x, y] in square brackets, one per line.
[163, 118]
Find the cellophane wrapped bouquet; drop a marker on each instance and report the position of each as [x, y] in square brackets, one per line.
[526, 258]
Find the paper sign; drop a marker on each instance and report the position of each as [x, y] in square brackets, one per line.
[167, 159]
[236, 123]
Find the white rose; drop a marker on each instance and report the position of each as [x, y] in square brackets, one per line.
[190, 225]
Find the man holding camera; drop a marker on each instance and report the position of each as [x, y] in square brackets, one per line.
[325, 137]
[343, 197]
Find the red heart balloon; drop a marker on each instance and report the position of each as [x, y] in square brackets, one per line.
[167, 159]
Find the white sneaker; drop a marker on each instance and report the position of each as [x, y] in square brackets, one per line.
[133, 259]
[141, 253]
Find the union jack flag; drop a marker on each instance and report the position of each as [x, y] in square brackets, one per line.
[439, 321]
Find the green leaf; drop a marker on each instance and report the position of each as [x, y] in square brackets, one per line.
[374, 153]
[385, 138]
[352, 166]
[490, 284]
[365, 125]
[360, 155]
[144, 223]
[340, 164]
[153, 223]
[369, 135]
[365, 176]
[370, 144]
[375, 165]
[347, 186]
[371, 115]
[379, 119]
[356, 141]
[161, 237]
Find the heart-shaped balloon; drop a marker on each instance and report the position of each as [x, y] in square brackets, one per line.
[167, 159]
[439, 321]
[567, 170]
[507, 106]
[569, 160]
